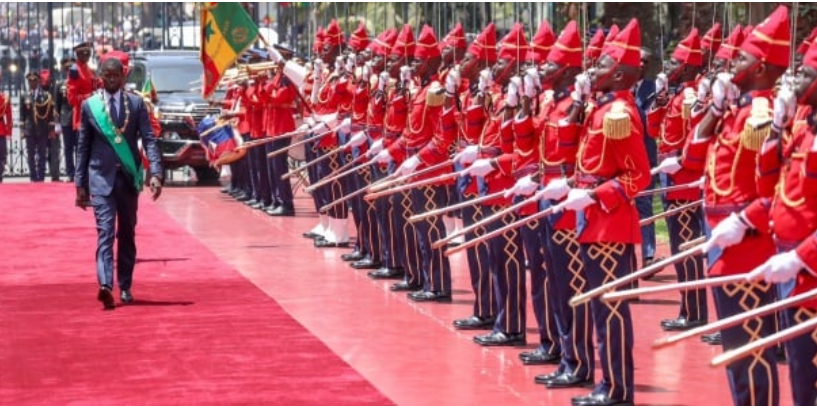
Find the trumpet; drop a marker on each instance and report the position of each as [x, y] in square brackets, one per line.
[260, 67]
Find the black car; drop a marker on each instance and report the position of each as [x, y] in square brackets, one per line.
[179, 109]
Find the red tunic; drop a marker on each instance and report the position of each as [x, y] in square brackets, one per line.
[6, 121]
[279, 97]
[82, 82]
[613, 162]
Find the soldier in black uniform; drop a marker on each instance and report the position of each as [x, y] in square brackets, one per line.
[37, 119]
[64, 112]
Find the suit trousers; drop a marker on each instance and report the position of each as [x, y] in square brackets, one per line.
[54, 158]
[69, 145]
[116, 220]
[36, 147]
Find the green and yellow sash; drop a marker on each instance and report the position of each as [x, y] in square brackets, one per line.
[97, 105]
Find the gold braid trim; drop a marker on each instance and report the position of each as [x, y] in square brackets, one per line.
[617, 122]
[758, 126]
[689, 101]
[435, 96]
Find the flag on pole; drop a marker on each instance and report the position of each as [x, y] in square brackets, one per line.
[226, 31]
[149, 90]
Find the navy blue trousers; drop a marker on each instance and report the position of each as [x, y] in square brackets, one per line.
[479, 264]
[543, 296]
[116, 220]
[436, 270]
[506, 260]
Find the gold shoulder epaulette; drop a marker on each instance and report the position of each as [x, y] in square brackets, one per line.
[689, 100]
[435, 96]
[757, 126]
[617, 122]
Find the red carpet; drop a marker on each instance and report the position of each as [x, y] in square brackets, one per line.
[199, 333]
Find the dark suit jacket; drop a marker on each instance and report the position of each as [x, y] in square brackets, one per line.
[644, 97]
[96, 159]
[43, 123]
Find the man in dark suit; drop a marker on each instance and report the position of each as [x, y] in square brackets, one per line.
[109, 169]
[644, 92]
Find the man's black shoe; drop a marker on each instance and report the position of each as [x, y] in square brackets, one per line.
[352, 256]
[429, 296]
[498, 338]
[106, 297]
[568, 380]
[474, 323]
[281, 211]
[405, 287]
[681, 324]
[386, 273]
[312, 235]
[539, 356]
[544, 378]
[323, 243]
[597, 399]
[126, 296]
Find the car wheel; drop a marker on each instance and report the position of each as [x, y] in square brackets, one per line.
[206, 175]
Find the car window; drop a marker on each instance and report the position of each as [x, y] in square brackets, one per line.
[177, 77]
[137, 76]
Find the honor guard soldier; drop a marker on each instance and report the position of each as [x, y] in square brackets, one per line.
[280, 97]
[255, 108]
[505, 252]
[6, 126]
[481, 55]
[332, 99]
[65, 117]
[366, 254]
[37, 119]
[611, 168]
[82, 81]
[399, 100]
[375, 117]
[788, 165]
[420, 146]
[553, 138]
[730, 157]
[669, 121]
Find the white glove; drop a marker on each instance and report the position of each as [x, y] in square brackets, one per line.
[727, 233]
[383, 80]
[345, 126]
[376, 147]
[405, 74]
[703, 89]
[512, 97]
[660, 83]
[383, 157]
[408, 166]
[700, 183]
[785, 104]
[582, 85]
[452, 83]
[720, 90]
[523, 187]
[670, 165]
[275, 54]
[350, 63]
[366, 72]
[58, 129]
[480, 168]
[467, 155]
[339, 64]
[780, 268]
[317, 66]
[320, 128]
[304, 128]
[358, 139]
[531, 82]
[485, 80]
[578, 199]
[556, 189]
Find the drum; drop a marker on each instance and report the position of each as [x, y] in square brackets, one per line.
[220, 141]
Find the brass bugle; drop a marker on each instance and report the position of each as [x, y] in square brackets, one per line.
[766, 342]
[736, 319]
[667, 189]
[416, 184]
[454, 207]
[298, 143]
[690, 244]
[670, 212]
[646, 271]
[488, 220]
[499, 231]
[260, 66]
[265, 140]
[341, 172]
[691, 285]
[391, 181]
[313, 162]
